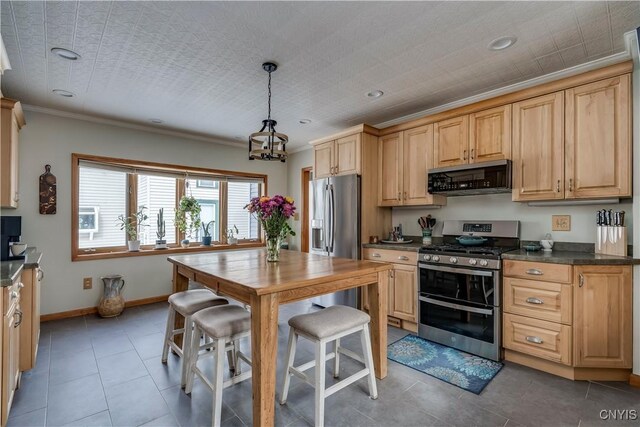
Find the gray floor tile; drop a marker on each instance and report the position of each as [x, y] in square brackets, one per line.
[68, 342]
[135, 402]
[164, 375]
[237, 398]
[70, 366]
[30, 419]
[164, 421]
[120, 368]
[74, 400]
[196, 409]
[106, 345]
[43, 359]
[32, 394]
[148, 346]
[101, 419]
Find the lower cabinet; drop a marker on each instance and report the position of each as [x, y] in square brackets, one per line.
[30, 328]
[402, 307]
[12, 317]
[579, 330]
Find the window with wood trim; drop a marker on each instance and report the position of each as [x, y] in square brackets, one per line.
[104, 188]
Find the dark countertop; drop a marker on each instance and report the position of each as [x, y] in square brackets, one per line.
[10, 270]
[411, 247]
[569, 257]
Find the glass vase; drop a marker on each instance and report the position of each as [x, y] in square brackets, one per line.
[273, 248]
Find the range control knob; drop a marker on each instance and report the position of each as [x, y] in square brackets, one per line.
[453, 260]
[473, 261]
[484, 262]
[436, 258]
[426, 257]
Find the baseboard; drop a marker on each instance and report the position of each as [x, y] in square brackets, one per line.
[92, 310]
[634, 380]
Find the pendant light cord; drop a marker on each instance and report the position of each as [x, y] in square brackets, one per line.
[269, 87]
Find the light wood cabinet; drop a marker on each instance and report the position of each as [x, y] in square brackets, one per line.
[12, 316]
[451, 142]
[598, 139]
[12, 120]
[338, 157]
[603, 321]
[30, 327]
[538, 148]
[578, 330]
[490, 135]
[404, 161]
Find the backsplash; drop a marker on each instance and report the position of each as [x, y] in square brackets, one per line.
[535, 222]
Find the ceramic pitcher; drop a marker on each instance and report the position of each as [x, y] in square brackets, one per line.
[112, 302]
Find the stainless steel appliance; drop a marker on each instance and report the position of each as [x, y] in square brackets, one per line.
[476, 178]
[459, 286]
[335, 227]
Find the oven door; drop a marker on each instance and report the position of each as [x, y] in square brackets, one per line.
[469, 285]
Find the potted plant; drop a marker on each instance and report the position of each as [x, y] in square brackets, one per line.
[188, 218]
[273, 213]
[206, 237]
[232, 235]
[161, 243]
[132, 225]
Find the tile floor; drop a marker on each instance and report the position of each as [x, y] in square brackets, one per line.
[103, 372]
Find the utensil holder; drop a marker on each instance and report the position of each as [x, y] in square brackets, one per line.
[611, 240]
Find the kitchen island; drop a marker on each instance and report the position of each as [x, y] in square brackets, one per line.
[246, 276]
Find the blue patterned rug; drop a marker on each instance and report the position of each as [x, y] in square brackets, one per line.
[469, 372]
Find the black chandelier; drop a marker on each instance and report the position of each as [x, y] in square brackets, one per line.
[267, 144]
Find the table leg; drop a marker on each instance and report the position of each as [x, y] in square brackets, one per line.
[377, 295]
[264, 350]
[180, 284]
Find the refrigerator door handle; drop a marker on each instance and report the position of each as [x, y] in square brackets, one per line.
[333, 217]
[325, 225]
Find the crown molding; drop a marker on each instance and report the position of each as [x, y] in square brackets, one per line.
[556, 75]
[128, 125]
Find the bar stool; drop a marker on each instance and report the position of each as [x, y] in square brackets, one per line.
[225, 325]
[322, 327]
[186, 303]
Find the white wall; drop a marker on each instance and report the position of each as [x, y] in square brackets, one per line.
[50, 140]
[535, 222]
[295, 163]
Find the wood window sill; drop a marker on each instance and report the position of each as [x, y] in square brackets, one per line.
[124, 253]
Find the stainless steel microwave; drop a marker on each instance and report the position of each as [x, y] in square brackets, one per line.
[478, 178]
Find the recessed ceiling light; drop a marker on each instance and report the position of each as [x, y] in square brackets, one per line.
[65, 53]
[502, 43]
[63, 92]
[375, 94]
[304, 121]
[156, 121]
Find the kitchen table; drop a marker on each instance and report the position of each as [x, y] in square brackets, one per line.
[247, 277]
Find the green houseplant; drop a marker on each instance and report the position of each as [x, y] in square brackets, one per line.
[161, 243]
[206, 236]
[188, 218]
[132, 225]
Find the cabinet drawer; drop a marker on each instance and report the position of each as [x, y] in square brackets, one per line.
[386, 255]
[537, 338]
[538, 270]
[540, 300]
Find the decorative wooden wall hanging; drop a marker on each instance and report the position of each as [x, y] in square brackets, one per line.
[48, 192]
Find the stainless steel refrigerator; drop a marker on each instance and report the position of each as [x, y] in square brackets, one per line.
[335, 227]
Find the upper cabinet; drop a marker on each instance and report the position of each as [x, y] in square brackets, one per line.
[337, 157]
[12, 121]
[574, 144]
[490, 135]
[598, 139]
[404, 159]
[451, 142]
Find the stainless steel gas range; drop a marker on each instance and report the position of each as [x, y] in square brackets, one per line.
[459, 285]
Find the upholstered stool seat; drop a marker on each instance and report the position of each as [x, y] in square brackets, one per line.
[186, 304]
[322, 327]
[225, 321]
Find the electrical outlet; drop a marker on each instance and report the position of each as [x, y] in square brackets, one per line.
[87, 283]
[561, 222]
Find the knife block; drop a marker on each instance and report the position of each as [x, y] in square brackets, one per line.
[611, 240]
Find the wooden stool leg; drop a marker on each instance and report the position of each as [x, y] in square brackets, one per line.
[218, 377]
[336, 362]
[291, 354]
[368, 361]
[168, 332]
[192, 361]
[186, 348]
[321, 359]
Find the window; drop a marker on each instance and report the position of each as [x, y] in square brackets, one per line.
[105, 188]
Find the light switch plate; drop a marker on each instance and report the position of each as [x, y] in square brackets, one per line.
[561, 222]
[296, 217]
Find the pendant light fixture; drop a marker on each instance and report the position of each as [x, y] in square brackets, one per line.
[267, 144]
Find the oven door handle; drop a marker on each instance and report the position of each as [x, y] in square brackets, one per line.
[456, 306]
[446, 269]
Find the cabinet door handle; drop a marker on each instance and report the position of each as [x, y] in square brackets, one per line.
[473, 153]
[558, 187]
[399, 195]
[535, 340]
[534, 272]
[20, 285]
[405, 195]
[403, 258]
[14, 295]
[40, 274]
[19, 321]
[533, 300]
[581, 280]
[464, 155]
[391, 274]
[375, 255]
[16, 197]
[570, 185]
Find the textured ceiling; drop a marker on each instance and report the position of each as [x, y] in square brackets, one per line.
[196, 65]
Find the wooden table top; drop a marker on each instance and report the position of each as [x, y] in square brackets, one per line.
[250, 270]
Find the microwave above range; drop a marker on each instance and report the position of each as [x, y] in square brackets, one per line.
[466, 180]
